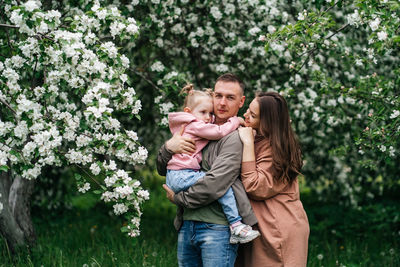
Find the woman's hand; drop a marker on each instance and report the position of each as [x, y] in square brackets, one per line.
[246, 135]
[170, 193]
[179, 144]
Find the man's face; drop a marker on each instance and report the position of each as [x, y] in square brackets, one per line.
[228, 99]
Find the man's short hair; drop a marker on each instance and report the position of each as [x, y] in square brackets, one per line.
[230, 77]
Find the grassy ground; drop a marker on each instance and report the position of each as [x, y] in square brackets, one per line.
[339, 237]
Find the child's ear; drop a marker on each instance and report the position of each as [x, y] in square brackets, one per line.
[187, 109]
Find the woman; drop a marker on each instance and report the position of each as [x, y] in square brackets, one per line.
[270, 165]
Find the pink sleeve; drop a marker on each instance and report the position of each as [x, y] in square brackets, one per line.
[211, 131]
[258, 180]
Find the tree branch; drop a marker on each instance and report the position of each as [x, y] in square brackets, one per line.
[8, 41]
[329, 8]
[8, 105]
[306, 60]
[88, 174]
[146, 79]
[8, 26]
[312, 51]
[337, 31]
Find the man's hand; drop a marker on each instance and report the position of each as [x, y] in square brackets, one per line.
[180, 144]
[170, 193]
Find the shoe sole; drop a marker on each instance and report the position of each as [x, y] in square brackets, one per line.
[234, 240]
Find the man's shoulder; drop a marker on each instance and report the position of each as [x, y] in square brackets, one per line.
[232, 137]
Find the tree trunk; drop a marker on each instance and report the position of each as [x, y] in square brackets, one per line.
[15, 219]
[19, 201]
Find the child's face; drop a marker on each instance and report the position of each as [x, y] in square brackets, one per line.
[204, 110]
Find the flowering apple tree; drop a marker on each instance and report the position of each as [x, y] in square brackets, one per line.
[64, 89]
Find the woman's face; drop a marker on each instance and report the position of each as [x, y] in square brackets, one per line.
[252, 115]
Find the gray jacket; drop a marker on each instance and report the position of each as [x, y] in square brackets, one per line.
[221, 160]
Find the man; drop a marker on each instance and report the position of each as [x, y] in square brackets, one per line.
[204, 234]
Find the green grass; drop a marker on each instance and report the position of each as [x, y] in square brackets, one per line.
[339, 236]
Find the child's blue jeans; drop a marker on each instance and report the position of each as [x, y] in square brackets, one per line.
[179, 180]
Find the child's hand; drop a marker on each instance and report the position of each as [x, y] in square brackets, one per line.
[241, 120]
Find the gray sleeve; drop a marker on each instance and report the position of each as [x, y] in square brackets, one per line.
[224, 171]
[164, 155]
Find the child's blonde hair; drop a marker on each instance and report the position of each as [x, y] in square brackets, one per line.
[193, 97]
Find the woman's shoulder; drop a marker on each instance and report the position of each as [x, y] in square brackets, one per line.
[260, 140]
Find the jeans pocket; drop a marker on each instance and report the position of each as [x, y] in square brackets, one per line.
[217, 227]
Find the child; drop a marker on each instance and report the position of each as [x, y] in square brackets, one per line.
[184, 170]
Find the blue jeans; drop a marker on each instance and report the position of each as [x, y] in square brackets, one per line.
[205, 245]
[179, 180]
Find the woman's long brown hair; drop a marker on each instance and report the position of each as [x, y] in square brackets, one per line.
[275, 125]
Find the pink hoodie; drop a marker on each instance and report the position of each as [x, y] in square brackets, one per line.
[200, 132]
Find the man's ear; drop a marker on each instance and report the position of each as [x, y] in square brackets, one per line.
[187, 109]
[242, 101]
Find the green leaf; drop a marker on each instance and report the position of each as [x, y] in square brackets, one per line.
[78, 176]
[68, 19]
[4, 168]
[396, 39]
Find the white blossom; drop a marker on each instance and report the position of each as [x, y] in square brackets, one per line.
[143, 194]
[392, 151]
[354, 19]
[95, 168]
[216, 13]
[221, 68]
[157, 66]
[254, 31]
[84, 188]
[124, 191]
[32, 5]
[120, 208]
[302, 15]
[395, 114]
[374, 24]
[382, 35]
[271, 29]
[110, 181]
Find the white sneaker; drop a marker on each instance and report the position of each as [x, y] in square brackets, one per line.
[243, 233]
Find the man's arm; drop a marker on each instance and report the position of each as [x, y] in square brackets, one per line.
[223, 173]
[164, 155]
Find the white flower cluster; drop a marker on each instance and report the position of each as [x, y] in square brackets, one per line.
[374, 24]
[157, 66]
[68, 116]
[84, 188]
[354, 19]
[302, 15]
[127, 194]
[395, 114]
